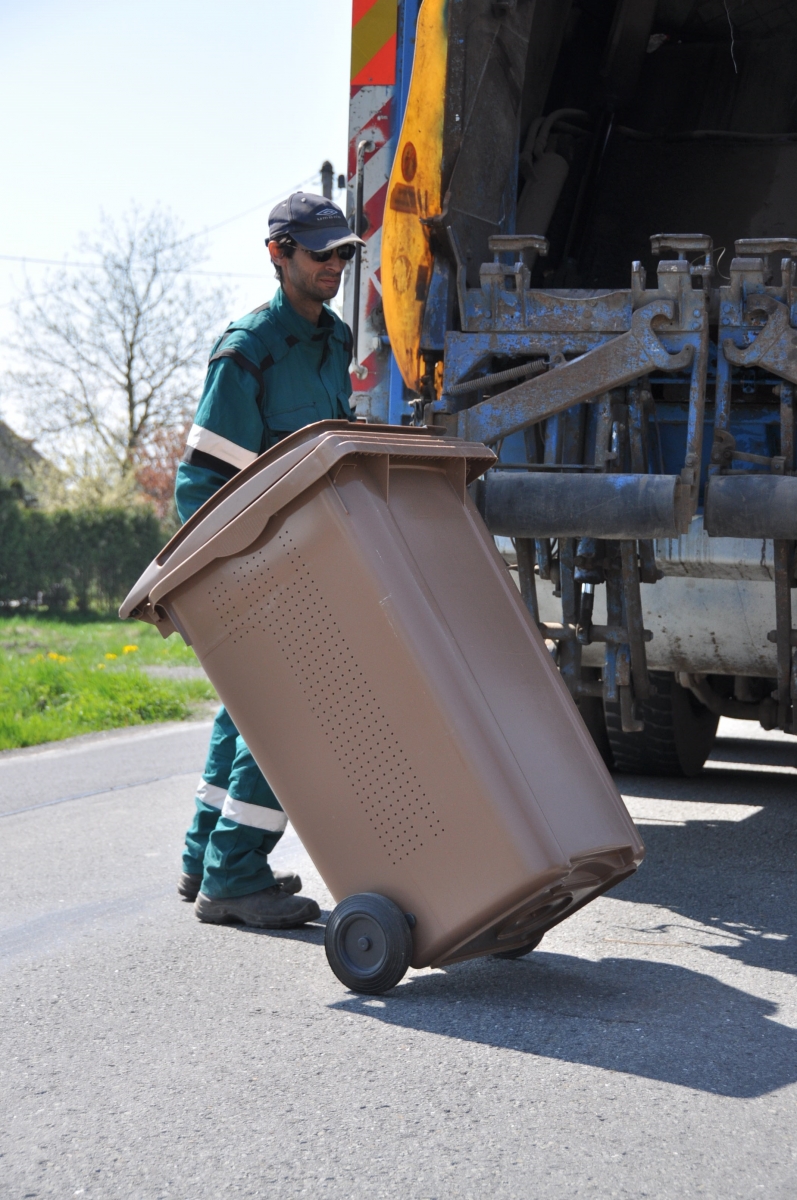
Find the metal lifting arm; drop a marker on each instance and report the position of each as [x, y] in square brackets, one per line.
[775, 348]
[619, 361]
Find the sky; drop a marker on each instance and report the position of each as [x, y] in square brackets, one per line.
[208, 108]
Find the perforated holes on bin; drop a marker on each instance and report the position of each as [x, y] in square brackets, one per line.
[293, 611]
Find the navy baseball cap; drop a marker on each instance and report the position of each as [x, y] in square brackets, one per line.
[313, 221]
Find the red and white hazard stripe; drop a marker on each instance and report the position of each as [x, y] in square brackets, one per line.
[373, 77]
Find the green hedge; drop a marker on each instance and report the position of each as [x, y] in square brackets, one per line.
[91, 557]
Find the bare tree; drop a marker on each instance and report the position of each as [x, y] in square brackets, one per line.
[156, 469]
[110, 355]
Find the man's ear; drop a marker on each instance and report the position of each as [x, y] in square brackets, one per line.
[276, 252]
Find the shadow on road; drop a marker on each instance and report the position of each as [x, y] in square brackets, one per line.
[755, 751]
[734, 884]
[738, 879]
[305, 933]
[726, 885]
[642, 1018]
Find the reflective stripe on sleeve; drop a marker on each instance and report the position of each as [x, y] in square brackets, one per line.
[271, 819]
[219, 447]
[209, 794]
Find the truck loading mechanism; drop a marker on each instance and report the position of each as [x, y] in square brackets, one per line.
[616, 342]
[637, 386]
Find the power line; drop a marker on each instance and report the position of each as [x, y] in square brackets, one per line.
[58, 262]
[62, 262]
[47, 262]
[35, 296]
[239, 216]
[229, 274]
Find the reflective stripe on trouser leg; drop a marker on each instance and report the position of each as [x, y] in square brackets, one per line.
[271, 820]
[250, 825]
[211, 791]
[208, 803]
[211, 795]
[196, 839]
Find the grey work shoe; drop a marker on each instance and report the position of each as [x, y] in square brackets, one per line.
[188, 885]
[271, 908]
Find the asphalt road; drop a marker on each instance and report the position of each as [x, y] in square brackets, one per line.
[647, 1048]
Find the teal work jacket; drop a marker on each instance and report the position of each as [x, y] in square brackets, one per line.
[270, 373]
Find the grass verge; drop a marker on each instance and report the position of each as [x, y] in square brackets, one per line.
[69, 675]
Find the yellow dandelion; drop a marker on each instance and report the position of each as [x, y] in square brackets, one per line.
[59, 658]
[111, 655]
[129, 649]
[100, 666]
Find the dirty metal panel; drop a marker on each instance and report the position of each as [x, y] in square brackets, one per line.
[755, 18]
[703, 626]
[549, 311]
[699, 556]
[438, 314]
[487, 59]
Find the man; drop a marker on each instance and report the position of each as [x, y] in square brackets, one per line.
[282, 367]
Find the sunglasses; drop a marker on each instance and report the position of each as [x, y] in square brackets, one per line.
[345, 253]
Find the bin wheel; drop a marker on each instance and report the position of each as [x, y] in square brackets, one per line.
[677, 738]
[368, 943]
[520, 951]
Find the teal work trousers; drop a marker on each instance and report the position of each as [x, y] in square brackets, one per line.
[237, 820]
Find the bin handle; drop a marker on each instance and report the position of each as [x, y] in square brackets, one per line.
[248, 525]
[245, 528]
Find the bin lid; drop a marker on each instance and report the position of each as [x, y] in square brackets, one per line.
[239, 511]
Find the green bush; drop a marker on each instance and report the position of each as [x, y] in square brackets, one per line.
[88, 556]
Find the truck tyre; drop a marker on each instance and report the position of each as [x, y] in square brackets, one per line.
[592, 714]
[677, 738]
[368, 943]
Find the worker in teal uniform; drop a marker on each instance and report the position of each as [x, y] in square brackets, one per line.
[279, 368]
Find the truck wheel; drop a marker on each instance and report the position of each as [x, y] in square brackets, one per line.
[520, 951]
[677, 738]
[368, 943]
[591, 709]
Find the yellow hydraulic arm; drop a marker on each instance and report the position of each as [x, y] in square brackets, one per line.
[413, 194]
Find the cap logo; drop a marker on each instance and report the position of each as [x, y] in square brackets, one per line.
[327, 212]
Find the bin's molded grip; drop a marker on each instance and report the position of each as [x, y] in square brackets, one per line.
[248, 484]
[228, 528]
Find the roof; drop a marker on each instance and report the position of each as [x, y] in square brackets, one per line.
[18, 458]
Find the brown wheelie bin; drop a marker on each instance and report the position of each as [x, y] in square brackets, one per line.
[349, 605]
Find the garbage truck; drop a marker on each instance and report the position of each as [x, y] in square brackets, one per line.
[580, 226]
